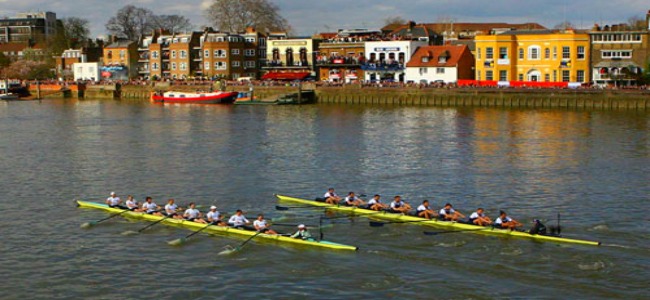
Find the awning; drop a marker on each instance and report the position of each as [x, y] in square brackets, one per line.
[285, 76]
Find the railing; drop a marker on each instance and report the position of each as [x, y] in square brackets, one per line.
[382, 67]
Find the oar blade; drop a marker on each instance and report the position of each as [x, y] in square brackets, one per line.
[430, 232]
[177, 242]
[130, 232]
[376, 224]
[88, 224]
[228, 250]
[278, 207]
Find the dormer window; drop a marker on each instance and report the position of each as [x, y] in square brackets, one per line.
[442, 59]
[425, 59]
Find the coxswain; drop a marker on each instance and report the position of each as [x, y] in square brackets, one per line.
[331, 197]
[131, 204]
[424, 211]
[503, 221]
[448, 213]
[375, 203]
[214, 217]
[262, 226]
[399, 206]
[193, 214]
[114, 201]
[151, 207]
[171, 210]
[538, 228]
[238, 220]
[479, 218]
[352, 200]
[302, 233]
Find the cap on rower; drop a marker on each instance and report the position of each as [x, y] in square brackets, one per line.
[301, 226]
[112, 193]
[213, 207]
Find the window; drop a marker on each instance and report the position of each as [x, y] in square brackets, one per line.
[235, 64]
[173, 66]
[249, 64]
[234, 51]
[554, 53]
[489, 75]
[554, 75]
[521, 77]
[442, 60]
[154, 54]
[425, 59]
[183, 54]
[503, 52]
[423, 70]
[547, 77]
[521, 53]
[478, 53]
[440, 70]
[249, 52]
[616, 54]
[547, 53]
[489, 53]
[220, 53]
[122, 54]
[503, 75]
[566, 52]
[206, 53]
[581, 52]
[206, 66]
[566, 76]
[221, 65]
[154, 66]
[580, 76]
[533, 52]
[478, 75]
[183, 66]
[173, 53]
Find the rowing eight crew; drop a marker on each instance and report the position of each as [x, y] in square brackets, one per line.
[447, 213]
[213, 217]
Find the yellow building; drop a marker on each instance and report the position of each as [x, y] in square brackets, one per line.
[533, 55]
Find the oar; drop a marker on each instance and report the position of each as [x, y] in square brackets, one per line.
[233, 250]
[380, 224]
[178, 242]
[129, 232]
[454, 231]
[93, 223]
[278, 207]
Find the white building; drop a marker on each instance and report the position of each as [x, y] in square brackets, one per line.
[440, 64]
[386, 60]
[86, 71]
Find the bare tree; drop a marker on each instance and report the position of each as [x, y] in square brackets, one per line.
[76, 30]
[394, 21]
[636, 23]
[172, 23]
[131, 22]
[564, 25]
[237, 15]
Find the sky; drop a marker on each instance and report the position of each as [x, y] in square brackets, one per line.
[308, 17]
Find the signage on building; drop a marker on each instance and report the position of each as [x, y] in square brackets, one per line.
[386, 49]
[289, 43]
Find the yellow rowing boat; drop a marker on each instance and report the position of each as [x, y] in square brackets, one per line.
[224, 230]
[436, 223]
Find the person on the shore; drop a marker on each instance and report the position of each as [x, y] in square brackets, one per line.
[448, 213]
[503, 221]
[424, 211]
[479, 218]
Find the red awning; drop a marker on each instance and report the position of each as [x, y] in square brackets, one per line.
[285, 76]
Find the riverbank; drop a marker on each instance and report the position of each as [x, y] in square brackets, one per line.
[408, 96]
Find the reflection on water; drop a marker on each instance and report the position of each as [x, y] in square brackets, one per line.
[587, 167]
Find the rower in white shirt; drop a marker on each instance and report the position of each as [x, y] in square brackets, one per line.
[448, 213]
[114, 201]
[239, 221]
[424, 211]
[331, 197]
[375, 203]
[131, 204]
[151, 207]
[214, 217]
[262, 226]
[193, 214]
[352, 200]
[479, 218]
[399, 206]
[171, 210]
[503, 221]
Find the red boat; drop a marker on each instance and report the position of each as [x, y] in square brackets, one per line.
[205, 98]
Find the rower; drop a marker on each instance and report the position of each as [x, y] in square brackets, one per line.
[352, 200]
[399, 206]
[131, 204]
[479, 218]
[538, 228]
[331, 197]
[262, 226]
[193, 214]
[150, 207]
[375, 203]
[424, 211]
[171, 210]
[114, 201]
[239, 221]
[302, 233]
[448, 213]
[503, 221]
[214, 217]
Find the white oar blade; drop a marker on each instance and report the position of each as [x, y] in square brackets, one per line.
[176, 242]
[227, 250]
[129, 232]
[86, 225]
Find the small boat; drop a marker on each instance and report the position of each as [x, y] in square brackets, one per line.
[222, 230]
[8, 96]
[204, 98]
[384, 215]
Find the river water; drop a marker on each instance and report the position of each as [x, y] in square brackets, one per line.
[591, 167]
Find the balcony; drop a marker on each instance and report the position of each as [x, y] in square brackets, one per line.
[382, 67]
[340, 62]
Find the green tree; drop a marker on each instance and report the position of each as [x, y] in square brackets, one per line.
[237, 15]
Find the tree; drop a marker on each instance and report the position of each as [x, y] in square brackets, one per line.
[636, 23]
[172, 23]
[237, 15]
[564, 25]
[76, 31]
[394, 21]
[4, 60]
[28, 69]
[131, 22]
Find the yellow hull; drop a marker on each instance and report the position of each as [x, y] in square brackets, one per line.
[434, 222]
[223, 230]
